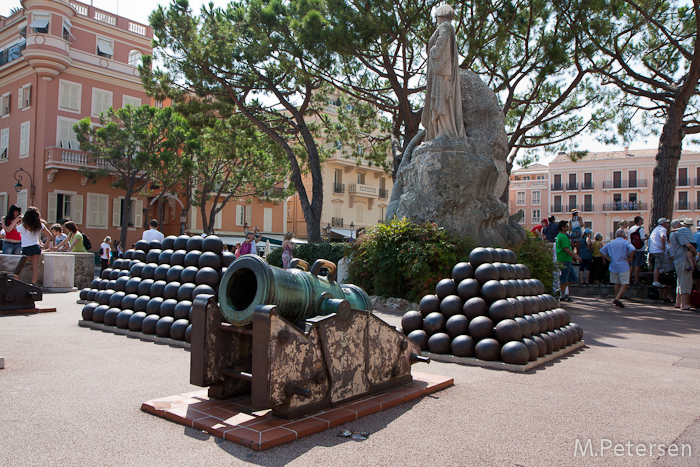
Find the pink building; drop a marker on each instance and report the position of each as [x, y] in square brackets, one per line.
[609, 187]
[529, 192]
[61, 61]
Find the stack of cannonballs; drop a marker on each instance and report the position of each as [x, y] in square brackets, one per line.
[493, 310]
[152, 289]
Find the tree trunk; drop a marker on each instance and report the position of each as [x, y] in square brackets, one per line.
[126, 214]
[670, 145]
[161, 210]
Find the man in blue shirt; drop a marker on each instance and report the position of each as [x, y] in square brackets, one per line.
[619, 253]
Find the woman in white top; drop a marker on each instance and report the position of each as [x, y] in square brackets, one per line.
[30, 226]
[105, 252]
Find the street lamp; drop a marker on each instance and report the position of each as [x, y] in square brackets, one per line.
[352, 229]
[245, 227]
[18, 185]
[328, 231]
[183, 221]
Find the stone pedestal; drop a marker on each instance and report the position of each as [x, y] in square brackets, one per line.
[59, 272]
[83, 269]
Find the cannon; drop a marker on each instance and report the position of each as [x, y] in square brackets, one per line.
[16, 295]
[295, 339]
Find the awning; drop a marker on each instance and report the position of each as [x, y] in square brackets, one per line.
[39, 23]
[104, 47]
[345, 233]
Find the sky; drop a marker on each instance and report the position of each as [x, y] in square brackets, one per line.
[139, 10]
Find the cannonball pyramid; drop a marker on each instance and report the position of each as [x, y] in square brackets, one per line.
[152, 288]
[491, 309]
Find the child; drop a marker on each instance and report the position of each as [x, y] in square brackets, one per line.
[30, 227]
[57, 236]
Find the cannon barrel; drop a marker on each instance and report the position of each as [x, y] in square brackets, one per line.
[249, 281]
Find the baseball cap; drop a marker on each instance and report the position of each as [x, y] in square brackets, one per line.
[663, 220]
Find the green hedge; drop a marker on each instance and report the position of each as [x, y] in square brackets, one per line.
[536, 254]
[310, 252]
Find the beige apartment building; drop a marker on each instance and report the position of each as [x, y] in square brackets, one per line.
[529, 192]
[609, 187]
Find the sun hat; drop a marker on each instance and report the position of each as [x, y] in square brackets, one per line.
[688, 222]
[663, 220]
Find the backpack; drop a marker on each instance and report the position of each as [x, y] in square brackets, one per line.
[636, 240]
[86, 241]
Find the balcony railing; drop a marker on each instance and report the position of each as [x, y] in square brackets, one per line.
[557, 208]
[572, 186]
[557, 186]
[71, 159]
[682, 182]
[337, 222]
[587, 207]
[383, 193]
[12, 53]
[683, 206]
[569, 207]
[587, 185]
[625, 206]
[365, 190]
[639, 183]
[338, 188]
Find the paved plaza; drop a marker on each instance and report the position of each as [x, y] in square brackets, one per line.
[70, 396]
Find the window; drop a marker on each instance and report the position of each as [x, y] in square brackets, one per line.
[24, 139]
[520, 198]
[104, 47]
[159, 104]
[40, 23]
[3, 204]
[240, 215]
[69, 96]
[132, 101]
[64, 205]
[24, 96]
[4, 143]
[5, 105]
[97, 210]
[526, 177]
[134, 58]
[66, 30]
[360, 213]
[218, 218]
[536, 216]
[557, 204]
[135, 213]
[267, 219]
[360, 149]
[338, 144]
[361, 179]
[587, 181]
[101, 101]
[536, 198]
[65, 135]
[22, 200]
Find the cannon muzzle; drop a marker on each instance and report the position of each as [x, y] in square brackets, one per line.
[297, 293]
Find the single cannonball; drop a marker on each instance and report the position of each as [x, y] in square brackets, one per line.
[167, 308]
[195, 243]
[555, 318]
[457, 325]
[500, 310]
[98, 294]
[534, 324]
[208, 276]
[170, 290]
[494, 254]
[511, 290]
[492, 291]
[161, 272]
[556, 342]
[511, 272]
[429, 304]
[120, 283]
[569, 335]
[157, 289]
[208, 259]
[183, 310]
[526, 304]
[128, 301]
[110, 284]
[480, 328]
[91, 295]
[502, 271]
[451, 305]
[148, 325]
[547, 319]
[153, 306]
[104, 296]
[135, 321]
[123, 273]
[525, 286]
[227, 258]
[439, 343]
[479, 256]
[139, 256]
[188, 334]
[468, 288]
[115, 300]
[94, 284]
[163, 326]
[411, 321]
[213, 243]
[445, 287]
[189, 274]
[420, 338]
[508, 330]
[154, 244]
[136, 269]
[541, 345]
[511, 257]
[84, 292]
[517, 306]
[153, 255]
[145, 287]
[142, 245]
[185, 291]
[98, 314]
[164, 257]
[123, 319]
[88, 310]
[178, 258]
[548, 341]
[540, 286]
[541, 322]
[524, 326]
[148, 271]
[540, 303]
[463, 346]
[128, 254]
[579, 330]
[178, 329]
[488, 349]
[526, 271]
[503, 255]
[518, 272]
[105, 273]
[110, 318]
[203, 289]
[532, 348]
[485, 273]
[475, 306]
[518, 287]
[181, 242]
[173, 274]
[462, 271]
[434, 323]
[515, 353]
[141, 303]
[563, 340]
[168, 242]
[564, 317]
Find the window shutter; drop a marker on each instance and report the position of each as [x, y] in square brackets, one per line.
[116, 212]
[78, 209]
[217, 219]
[249, 216]
[51, 214]
[74, 97]
[24, 139]
[267, 219]
[65, 96]
[138, 215]
[19, 98]
[239, 215]
[27, 95]
[22, 200]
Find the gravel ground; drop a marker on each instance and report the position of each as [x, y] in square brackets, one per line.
[71, 396]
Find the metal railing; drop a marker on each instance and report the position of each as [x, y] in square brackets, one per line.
[587, 207]
[625, 206]
[572, 186]
[682, 206]
[336, 222]
[338, 188]
[383, 193]
[557, 187]
[557, 208]
[587, 185]
[683, 182]
[569, 207]
[12, 53]
[639, 183]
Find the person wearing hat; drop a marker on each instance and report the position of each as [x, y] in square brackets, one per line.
[657, 248]
[586, 254]
[539, 228]
[680, 247]
[576, 230]
[620, 253]
[637, 238]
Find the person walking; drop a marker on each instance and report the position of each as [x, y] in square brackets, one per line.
[105, 252]
[620, 253]
[30, 228]
[680, 246]
[564, 256]
[637, 239]
[657, 248]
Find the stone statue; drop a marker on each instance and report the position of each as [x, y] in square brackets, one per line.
[442, 114]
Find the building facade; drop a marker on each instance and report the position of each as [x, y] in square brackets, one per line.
[609, 187]
[529, 192]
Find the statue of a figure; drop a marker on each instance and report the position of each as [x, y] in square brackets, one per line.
[442, 113]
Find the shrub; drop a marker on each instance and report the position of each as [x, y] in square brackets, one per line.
[536, 254]
[402, 259]
[310, 252]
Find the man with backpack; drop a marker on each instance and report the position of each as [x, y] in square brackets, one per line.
[637, 238]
